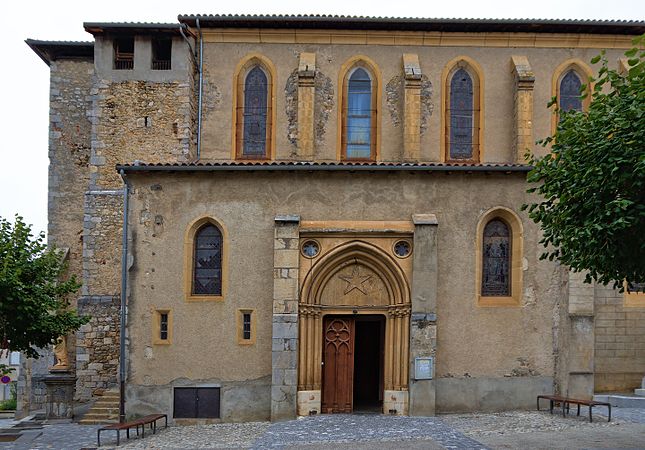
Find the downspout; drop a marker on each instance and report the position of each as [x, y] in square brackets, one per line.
[201, 88]
[124, 290]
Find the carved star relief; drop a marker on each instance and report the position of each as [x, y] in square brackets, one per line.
[355, 281]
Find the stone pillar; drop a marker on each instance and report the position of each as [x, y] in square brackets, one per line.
[523, 111]
[412, 108]
[284, 350]
[306, 97]
[580, 380]
[423, 323]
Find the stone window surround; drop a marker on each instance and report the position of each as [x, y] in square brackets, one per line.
[343, 81]
[477, 75]
[244, 66]
[582, 70]
[189, 249]
[517, 253]
[240, 326]
[156, 327]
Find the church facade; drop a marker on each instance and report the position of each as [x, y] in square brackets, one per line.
[323, 214]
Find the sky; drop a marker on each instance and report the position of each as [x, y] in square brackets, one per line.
[24, 97]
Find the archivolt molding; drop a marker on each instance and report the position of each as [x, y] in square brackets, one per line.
[356, 252]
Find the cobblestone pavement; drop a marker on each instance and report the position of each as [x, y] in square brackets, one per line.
[513, 429]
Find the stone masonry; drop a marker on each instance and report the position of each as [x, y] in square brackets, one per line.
[284, 350]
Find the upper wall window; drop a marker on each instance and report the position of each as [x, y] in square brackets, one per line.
[161, 54]
[496, 264]
[570, 92]
[359, 116]
[207, 261]
[124, 53]
[462, 114]
[254, 108]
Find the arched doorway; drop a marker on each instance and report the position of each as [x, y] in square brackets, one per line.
[353, 332]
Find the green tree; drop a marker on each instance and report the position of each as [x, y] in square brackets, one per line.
[34, 305]
[592, 183]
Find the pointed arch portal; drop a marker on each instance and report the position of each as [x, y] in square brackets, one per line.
[354, 328]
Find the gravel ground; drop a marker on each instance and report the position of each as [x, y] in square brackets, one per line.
[478, 424]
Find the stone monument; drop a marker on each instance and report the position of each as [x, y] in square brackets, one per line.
[60, 385]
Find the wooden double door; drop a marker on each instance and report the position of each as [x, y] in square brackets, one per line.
[353, 356]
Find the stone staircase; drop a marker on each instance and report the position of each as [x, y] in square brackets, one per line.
[104, 410]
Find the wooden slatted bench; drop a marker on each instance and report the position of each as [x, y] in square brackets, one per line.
[566, 403]
[136, 423]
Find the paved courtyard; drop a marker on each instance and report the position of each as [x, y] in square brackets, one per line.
[507, 430]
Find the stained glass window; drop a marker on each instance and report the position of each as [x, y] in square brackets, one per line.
[246, 326]
[207, 265]
[163, 326]
[496, 276]
[461, 115]
[570, 92]
[255, 113]
[359, 116]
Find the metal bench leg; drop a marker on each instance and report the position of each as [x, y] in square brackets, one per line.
[118, 437]
[127, 433]
[609, 407]
[538, 403]
[551, 403]
[578, 409]
[98, 437]
[564, 409]
[590, 418]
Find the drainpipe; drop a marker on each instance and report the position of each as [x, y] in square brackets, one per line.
[201, 88]
[124, 290]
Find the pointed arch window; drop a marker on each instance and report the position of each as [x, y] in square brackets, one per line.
[253, 110]
[207, 261]
[570, 85]
[496, 264]
[462, 111]
[359, 114]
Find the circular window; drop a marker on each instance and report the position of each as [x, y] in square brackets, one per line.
[310, 249]
[402, 248]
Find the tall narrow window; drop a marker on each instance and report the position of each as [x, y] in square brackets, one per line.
[246, 326]
[124, 53]
[461, 115]
[254, 139]
[163, 326]
[570, 92]
[496, 264]
[359, 119]
[207, 261]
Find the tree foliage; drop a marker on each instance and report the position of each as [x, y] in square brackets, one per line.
[592, 184]
[33, 291]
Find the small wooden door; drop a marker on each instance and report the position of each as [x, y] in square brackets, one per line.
[338, 365]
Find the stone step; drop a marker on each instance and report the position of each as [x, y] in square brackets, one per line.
[99, 416]
[97, 422]
[621, 401]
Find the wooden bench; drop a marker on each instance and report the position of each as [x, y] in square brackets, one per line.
[136, 423]
[566, 403]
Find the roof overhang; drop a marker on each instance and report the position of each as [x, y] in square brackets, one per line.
[131, 28]
[50, 51]
[292, 166]
[331, 22]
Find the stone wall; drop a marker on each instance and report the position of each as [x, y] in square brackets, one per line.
[620, 342]
[102, 228]
[139, 120]
[97, 345]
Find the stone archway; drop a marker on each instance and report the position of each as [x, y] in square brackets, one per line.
[354, 279]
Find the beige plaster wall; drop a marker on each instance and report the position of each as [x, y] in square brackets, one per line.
[472, 341]
[221, 59]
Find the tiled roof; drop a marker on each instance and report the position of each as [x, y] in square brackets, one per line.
[131, 27]
[415, 23]
[322, 166]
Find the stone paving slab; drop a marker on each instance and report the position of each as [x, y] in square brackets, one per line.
[346, 428]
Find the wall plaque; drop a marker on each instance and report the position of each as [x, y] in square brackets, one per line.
[423, 366]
